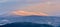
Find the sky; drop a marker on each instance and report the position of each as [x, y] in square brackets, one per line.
[50, 7]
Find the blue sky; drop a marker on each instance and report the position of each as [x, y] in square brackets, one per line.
[51, 7]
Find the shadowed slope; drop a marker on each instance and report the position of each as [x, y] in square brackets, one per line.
[26, 24]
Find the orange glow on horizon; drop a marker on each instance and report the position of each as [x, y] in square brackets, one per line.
[26, 13]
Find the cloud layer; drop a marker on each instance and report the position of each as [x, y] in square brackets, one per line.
[52, 7]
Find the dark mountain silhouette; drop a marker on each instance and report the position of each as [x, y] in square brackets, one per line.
[26, 24]
[30, 19]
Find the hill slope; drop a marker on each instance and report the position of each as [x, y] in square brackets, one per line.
[33, 18]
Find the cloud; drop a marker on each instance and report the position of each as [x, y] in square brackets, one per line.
[3, 22]
[38, 7]
[2, 1]
[26, 13]
[51, 7]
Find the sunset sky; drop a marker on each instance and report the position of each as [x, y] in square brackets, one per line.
[50, 7]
